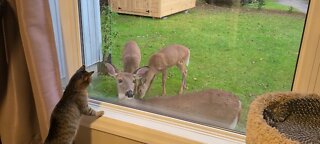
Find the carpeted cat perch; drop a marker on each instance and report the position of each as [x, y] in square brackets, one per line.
[284, 118]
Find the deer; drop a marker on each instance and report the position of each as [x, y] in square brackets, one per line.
[131, 58]
[210, 106]
[172, 55]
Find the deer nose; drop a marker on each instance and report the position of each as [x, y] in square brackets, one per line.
[129, 94]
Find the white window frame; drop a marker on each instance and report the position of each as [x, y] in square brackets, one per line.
[153, 128]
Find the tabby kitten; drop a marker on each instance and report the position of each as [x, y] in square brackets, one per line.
[66, 115]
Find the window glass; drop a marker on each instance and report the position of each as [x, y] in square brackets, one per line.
[238, 50]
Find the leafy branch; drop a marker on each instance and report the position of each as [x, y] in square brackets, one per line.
[109, 34]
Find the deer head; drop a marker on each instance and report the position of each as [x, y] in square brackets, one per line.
[173, 55]
[142, 81]
[125, 81]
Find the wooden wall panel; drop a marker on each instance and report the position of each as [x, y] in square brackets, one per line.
[141, 6]
[316, 86]
[173, 6]
[307, 74]
[157, 8]
[89, 136]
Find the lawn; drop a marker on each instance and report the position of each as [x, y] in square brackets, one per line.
[243, 52]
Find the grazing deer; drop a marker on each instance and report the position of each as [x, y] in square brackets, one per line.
[131, 58]
[173, 55]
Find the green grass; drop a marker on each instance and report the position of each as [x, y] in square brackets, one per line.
[246, 53]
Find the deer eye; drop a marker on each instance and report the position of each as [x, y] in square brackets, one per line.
[120, 81]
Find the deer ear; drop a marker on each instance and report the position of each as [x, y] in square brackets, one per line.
[111, 69]
[140, 72]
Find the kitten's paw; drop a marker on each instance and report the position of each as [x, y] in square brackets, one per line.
[100, 113]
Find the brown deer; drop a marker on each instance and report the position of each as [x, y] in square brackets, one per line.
[131, 58]
[173, 55]
[209, 106]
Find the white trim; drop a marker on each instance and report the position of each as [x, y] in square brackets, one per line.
[180, 128]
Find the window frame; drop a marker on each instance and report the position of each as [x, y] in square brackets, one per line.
[127, 122]
[308, 65]
[149, 127]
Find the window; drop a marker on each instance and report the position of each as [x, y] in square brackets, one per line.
[245, 52]
[239, 50]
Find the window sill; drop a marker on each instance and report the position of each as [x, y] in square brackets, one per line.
[152, 128]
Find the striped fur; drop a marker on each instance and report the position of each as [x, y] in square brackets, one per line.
[66, 115]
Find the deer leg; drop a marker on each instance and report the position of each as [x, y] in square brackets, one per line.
[185, 73]
[164, 78]
[183, 70]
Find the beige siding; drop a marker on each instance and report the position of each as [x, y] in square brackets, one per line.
[152, 8]
[173, 6]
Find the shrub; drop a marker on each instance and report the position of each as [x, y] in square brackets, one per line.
[260, 4]
[224, 2]
[103, 3]
[108, 33]
[244, 2]
[290, 10]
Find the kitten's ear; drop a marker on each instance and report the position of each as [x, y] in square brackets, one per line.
[87, 75]
[82, 68]
[141, 72]
[90, 73]
[112, 71]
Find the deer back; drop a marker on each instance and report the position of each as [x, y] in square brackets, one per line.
[131, 57]
[169, 56]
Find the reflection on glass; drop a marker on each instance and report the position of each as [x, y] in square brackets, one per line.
[238, 50]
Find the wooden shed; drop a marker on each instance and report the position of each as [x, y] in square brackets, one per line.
[151, 8]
